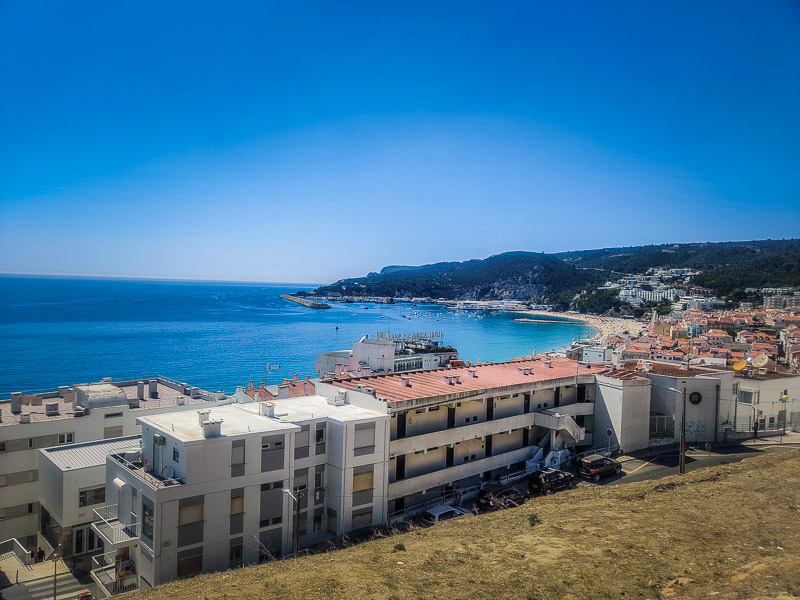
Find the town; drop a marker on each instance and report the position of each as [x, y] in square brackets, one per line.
[128, 484]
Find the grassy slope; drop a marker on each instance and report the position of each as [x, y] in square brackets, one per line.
[713, 530]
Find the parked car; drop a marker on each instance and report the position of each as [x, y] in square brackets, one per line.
[549, 480]
[441, 513]
[497, 496]
[595, 466]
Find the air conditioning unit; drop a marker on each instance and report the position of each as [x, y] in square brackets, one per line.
[79, 411]
[25, 418]
[51, 409]
[159, 440]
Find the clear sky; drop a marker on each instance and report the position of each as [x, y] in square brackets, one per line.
[305, 141]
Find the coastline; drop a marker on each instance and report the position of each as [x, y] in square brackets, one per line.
[604, 326]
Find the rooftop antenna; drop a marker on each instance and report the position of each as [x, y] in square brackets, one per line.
[270, 367]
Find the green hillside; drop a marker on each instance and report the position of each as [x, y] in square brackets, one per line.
[522, 275]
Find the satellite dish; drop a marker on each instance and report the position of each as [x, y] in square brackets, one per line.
[760, 361]
[739, 365]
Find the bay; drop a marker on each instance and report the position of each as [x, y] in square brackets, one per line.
[217, 335]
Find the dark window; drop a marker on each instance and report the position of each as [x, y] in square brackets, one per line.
[320, 436]
[176, 455]
[147, 521]
[235, 555]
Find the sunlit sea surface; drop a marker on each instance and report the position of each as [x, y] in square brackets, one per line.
[57, 331]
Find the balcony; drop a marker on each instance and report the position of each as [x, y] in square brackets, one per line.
[551, 418]
[450, 474]
[114, 533]
[113, 575]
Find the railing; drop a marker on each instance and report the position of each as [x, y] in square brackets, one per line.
[114, 576]
[22, 554]
[111, 528]
[149, 478]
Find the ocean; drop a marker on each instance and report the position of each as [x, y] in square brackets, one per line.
[62, 331]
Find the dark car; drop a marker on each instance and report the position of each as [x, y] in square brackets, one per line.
[548, 481]
[494, 497]
[595, 466]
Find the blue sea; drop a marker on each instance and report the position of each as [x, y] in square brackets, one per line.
[61, 331]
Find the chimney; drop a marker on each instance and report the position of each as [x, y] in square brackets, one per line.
[283, 391]
[63, 390]
[250, 385]
[140, 390]
[203, 415]
[305, 388]
[268, 409]
[294, 378]
[16, 402]
[405, 381]
[212, 427]
[194, 392]
[473, 372]
[154, 388]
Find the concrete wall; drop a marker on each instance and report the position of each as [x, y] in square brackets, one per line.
[624, 407]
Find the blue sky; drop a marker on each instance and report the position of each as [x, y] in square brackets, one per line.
[311, 141]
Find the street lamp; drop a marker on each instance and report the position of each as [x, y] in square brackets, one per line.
[783, 398]
[296, 529]
[682, 455]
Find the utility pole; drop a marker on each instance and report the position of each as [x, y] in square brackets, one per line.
[682, 458]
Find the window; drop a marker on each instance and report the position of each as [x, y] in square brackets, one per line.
[30, 508]
[317, 480]
[317, 523]
[113, 415]
[747, 397]
[235, 555]
[300, 481]
[237, 505]
[2, 446]
[190, 566]
[30, 443]
[65, 438]
[362, 481]
[237, 453]
[277, 520]
[147, 521]
[190, 514]
[176, 455]
[91, 496]
[320, 436]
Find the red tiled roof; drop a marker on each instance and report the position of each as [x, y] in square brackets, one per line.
[428, 384]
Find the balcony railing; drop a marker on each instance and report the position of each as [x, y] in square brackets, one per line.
[113, 531]
[113, 576]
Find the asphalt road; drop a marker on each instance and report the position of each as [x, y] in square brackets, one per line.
[664, 465]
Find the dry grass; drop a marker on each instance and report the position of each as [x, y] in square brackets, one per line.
[724, 532]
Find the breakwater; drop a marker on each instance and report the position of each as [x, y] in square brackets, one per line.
[304, 301]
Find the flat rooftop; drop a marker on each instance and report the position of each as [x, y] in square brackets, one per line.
[237, 420]
[34, 404]
[89, 454]
[305, 408]
[429, 384]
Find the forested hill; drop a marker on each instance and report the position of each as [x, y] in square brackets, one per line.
[523, 275]
[701, 256]
[557, 278]
[732, 281]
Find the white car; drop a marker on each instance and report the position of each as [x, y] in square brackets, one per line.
[442, 512]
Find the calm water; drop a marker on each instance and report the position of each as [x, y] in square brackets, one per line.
[215, 335]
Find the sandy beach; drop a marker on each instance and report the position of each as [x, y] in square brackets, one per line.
[605, 326]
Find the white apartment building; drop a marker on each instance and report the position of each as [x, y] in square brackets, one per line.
[383, 354]
[72, 482]
[221, 487]
[82, 413]
[455, 428]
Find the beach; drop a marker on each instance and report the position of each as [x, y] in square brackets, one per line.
[605, 326]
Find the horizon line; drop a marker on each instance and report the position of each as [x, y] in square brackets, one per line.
[154, 279]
